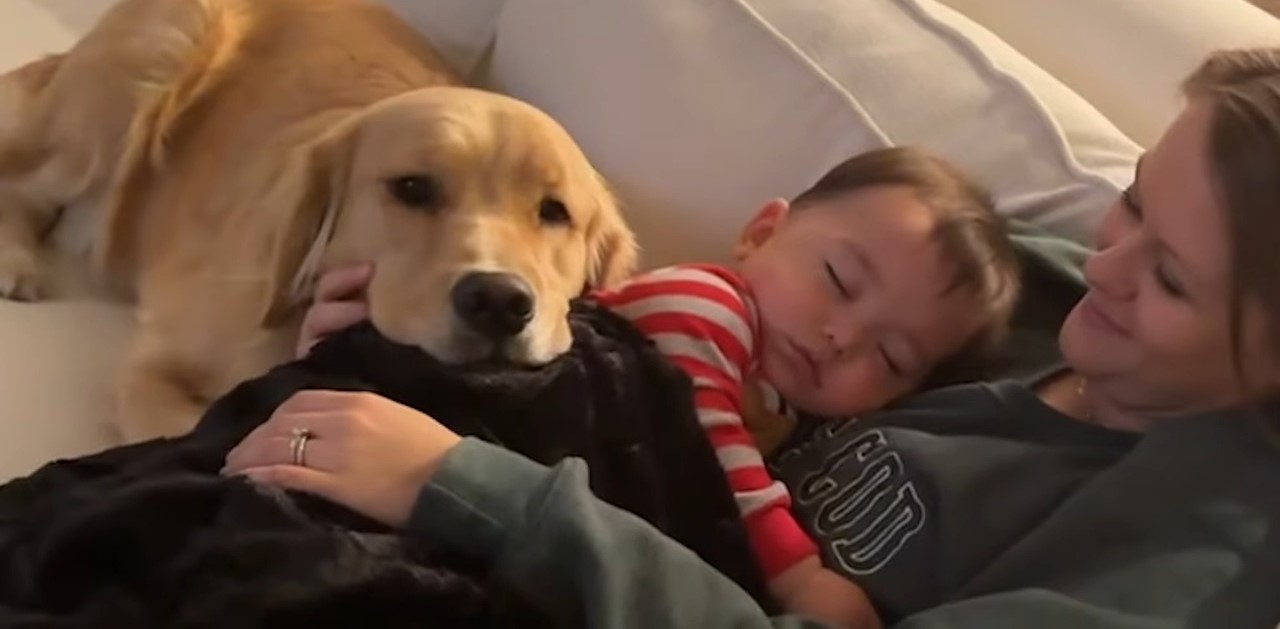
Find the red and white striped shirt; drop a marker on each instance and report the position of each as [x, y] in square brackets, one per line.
[702, 318]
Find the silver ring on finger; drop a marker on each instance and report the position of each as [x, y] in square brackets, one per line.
[298, 445]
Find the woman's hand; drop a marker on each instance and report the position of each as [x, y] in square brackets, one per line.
[339, 303]
[366, 452]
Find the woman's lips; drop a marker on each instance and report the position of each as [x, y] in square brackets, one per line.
[1096, 317]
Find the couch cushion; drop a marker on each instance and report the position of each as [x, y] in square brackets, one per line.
[32, 28]
[57, 365]
[1128, 57]
[700, 111]
[462, 30]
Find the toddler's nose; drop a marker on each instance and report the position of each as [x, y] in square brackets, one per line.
[840, 345]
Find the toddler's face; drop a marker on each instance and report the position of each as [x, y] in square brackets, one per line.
[852, 299]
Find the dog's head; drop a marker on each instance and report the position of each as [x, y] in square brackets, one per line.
[482, 217]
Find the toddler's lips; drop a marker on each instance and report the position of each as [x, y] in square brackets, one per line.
[807, 364]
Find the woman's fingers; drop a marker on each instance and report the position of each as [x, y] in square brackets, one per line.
[317, 453]
[305, 479]
[339, 304]
[330, 317]
[271, 443]
[255, 451]
[325, 318]
[343, 282]
[326, 415]
[317, 401]
[340, 314]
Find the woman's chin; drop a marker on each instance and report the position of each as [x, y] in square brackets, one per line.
[1090, 336]
[1085, 351]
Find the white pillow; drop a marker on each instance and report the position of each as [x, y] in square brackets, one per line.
[1127, 57]
[33, 28]
[462, 30]
[698, 112]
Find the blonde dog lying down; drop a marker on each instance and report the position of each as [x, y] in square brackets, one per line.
[231, 150]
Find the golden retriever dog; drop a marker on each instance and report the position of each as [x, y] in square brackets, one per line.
[232, 150]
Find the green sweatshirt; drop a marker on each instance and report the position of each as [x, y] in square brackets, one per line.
[1017, 518]
[912, 503]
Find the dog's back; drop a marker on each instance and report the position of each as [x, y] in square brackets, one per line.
[261, 78]
[165, 99]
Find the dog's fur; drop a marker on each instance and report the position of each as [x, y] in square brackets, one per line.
[234, 149]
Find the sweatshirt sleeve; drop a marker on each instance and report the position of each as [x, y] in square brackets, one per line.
[584, 561]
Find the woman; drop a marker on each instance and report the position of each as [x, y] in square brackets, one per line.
[1132, 488]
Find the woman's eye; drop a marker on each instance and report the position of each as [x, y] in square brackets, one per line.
[835, 280]
[1169, 283]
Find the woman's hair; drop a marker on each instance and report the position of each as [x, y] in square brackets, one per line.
[1242, 90]
[971, 235]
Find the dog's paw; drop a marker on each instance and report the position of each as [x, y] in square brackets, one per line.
[22, 276]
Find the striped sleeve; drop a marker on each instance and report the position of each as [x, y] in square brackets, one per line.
[700, 318]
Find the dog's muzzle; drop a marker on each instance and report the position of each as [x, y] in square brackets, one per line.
[497, 306]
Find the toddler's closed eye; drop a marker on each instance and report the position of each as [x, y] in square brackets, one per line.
[894, 366]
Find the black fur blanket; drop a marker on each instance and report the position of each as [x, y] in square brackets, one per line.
[149, 535]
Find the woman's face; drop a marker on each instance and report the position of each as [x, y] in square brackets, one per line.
[1152, 335]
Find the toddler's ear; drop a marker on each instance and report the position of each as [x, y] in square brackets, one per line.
[762, 227]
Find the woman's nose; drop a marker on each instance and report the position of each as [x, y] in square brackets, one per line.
[1111, 269]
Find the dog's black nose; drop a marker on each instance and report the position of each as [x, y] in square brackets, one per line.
[497, 305]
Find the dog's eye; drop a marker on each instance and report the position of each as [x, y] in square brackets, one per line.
[415, 191]
[553, 212]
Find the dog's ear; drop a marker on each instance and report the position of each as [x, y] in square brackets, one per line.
[611, 244]
[305, 202]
